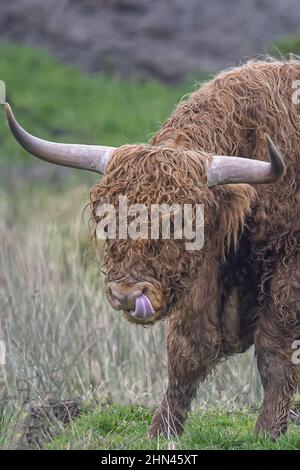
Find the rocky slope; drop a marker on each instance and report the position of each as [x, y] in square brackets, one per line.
[166, 39]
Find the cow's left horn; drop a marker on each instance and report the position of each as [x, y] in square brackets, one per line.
[85, 157]
[224, 169]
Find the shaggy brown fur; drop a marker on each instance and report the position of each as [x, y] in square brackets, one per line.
[244, 286]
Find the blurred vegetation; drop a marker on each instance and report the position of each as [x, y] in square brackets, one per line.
[285, 46]
[58, 102]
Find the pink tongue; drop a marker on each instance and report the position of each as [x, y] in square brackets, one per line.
[143, 307]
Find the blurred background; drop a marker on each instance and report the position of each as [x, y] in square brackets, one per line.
[107, 72]
[161, 39]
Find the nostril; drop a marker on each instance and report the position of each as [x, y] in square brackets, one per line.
[121, 297]
[134, 294]
[117, 296]
[145, 290]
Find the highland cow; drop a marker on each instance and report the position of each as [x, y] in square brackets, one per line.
[243, 287]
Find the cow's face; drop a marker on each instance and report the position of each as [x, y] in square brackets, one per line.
[146, 276]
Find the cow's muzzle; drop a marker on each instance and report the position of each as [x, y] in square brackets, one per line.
[141, 301]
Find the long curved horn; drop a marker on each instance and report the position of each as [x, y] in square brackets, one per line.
[224, 170]
[85, 157]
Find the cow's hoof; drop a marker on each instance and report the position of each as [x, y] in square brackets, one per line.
[163, 425]
[156, 429]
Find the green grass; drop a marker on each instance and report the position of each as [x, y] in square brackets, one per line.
[285, 46]
[59, 102]
[125, 427]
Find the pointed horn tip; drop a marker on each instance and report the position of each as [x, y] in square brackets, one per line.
[7, 107]
[271, 144]
[277, 162]
[8, 111]
[267, 137]
[12, 122]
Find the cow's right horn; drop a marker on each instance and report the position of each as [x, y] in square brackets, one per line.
[86, 157]
[230, 169]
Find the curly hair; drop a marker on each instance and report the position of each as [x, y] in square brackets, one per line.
[229, 115]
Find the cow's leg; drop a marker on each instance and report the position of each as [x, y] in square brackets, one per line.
[279, 380]
[277, 331]
[190, 359]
